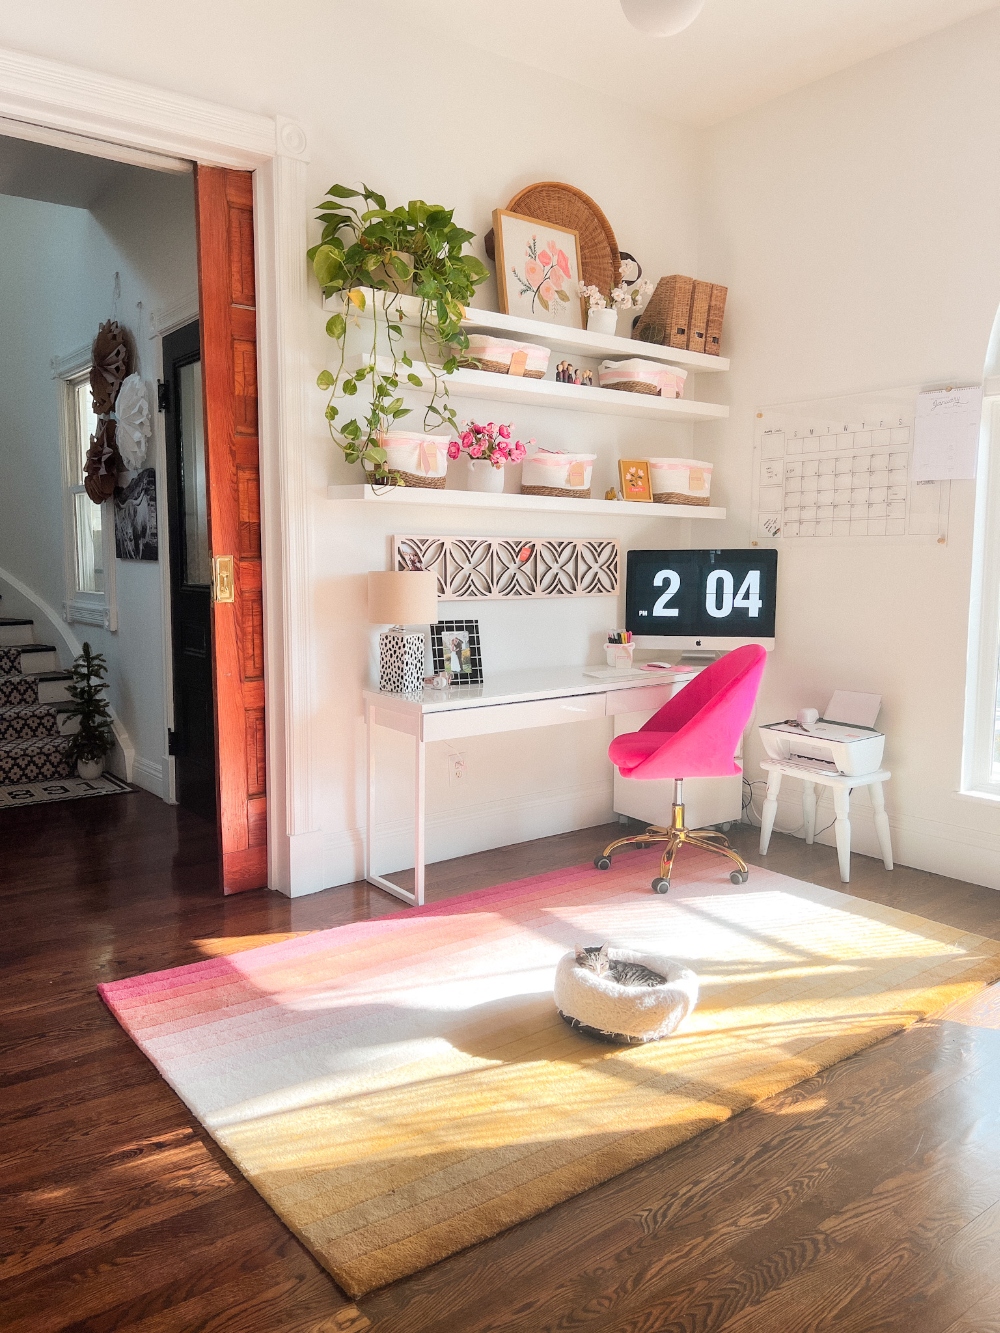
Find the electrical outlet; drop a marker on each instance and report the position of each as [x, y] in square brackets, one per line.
[456, 768]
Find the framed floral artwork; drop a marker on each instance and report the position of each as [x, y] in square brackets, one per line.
[538, 269]
[633, 473]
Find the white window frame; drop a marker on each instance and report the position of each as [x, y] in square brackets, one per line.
[983, 660]
[85, 608]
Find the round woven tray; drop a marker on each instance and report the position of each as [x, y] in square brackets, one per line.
[398, 477]
[633, 386]
[566, 206]
[556, 490]
[676, 498]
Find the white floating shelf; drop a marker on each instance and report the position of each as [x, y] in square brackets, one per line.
[551, 393]
[578, 342]
[537, 504]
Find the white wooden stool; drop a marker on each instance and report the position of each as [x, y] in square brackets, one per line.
[842, 787]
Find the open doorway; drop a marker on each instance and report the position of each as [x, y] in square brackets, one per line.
[88, 242]
[192, 736]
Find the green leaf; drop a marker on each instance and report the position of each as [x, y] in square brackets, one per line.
[395, 405]
[376, 452]
[405, 358]
[336, 326]
[324, 380]
[401, 412]
[342, 192]
[401, 268]
[350, 388]
[330, 413]
[450, 366]
[415, 380]
[352, 430]
[327, 263]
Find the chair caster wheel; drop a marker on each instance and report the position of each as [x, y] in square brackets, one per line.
[739, 876]
[602, 862]
[661, 885]
[724, 828]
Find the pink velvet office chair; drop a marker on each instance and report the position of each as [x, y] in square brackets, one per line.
[694, 735]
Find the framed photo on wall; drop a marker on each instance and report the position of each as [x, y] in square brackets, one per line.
[633, 475]
[455, 649]
[538, 269]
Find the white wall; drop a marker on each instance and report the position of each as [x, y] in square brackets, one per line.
[56, 286]
[857, 223]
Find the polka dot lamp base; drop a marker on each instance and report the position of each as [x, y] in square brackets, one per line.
[401, 662]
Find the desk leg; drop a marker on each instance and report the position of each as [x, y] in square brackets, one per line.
[419, 803]
[809, 809]
[842, 805]
[881, 824]
[416, 898]
[770, 809]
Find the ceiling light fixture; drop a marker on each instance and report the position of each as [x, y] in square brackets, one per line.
[662, 18]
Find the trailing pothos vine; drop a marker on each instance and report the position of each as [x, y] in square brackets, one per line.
[372, 246]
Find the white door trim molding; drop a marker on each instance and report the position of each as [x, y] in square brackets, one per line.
[53, 95]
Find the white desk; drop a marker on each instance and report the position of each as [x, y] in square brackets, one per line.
[507, 701]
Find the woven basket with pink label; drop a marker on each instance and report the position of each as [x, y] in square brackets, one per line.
[638, 376]
[680, 481]
[549, 473]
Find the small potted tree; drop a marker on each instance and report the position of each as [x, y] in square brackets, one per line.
[94, 738]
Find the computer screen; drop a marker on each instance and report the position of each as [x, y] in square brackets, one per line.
[695, 599]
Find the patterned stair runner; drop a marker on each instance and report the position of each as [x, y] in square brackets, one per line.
[31, 747]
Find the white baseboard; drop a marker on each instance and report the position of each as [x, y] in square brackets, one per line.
[472, 828]
[149, 775]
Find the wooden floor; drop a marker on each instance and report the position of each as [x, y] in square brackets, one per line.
[865, 1199]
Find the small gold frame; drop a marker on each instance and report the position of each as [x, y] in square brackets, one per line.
[635, 481]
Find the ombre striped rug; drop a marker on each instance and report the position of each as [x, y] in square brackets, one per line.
[399, 1089]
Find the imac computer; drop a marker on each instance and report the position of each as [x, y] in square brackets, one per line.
[702, 602]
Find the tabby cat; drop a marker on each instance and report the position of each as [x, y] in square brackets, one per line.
[595, 958]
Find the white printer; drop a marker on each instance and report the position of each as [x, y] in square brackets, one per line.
[838, 742]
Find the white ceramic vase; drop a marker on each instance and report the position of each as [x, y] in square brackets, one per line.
[602, 320]
[90, 768]
[483, 476]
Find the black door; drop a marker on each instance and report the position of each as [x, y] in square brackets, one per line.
[193, 743]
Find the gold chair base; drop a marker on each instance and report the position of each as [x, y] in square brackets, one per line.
[675, 837]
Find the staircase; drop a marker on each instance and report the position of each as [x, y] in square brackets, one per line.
[35, 722]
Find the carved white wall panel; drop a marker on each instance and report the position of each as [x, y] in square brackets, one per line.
[506, 568]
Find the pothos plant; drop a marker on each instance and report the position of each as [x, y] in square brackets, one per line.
[372, 246]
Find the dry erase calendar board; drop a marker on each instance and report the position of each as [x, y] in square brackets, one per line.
[841, 468]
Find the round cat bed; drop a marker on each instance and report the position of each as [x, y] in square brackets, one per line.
[602, 1008]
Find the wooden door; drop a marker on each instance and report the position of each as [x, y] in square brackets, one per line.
[224, 211]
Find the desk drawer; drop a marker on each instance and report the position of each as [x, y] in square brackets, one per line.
[644, 699]
[492, 718]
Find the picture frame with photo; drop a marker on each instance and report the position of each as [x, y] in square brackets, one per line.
[538, 269]
[634, 478]
[456, 651]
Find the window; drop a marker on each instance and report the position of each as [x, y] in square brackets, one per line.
[89, 528]
[981, 750]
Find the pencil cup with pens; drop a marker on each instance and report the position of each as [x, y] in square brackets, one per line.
[619, 649]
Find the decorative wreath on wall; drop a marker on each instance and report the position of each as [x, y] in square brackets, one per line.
[112, 360]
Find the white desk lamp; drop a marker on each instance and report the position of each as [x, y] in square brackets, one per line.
[398, 598]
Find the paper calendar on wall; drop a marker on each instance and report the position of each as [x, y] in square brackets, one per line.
[842, 468]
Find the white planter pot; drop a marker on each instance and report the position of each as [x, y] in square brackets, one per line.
[90, 768]
[484, 476]
[602, 321]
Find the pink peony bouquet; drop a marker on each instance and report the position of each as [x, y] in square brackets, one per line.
[490, 443]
